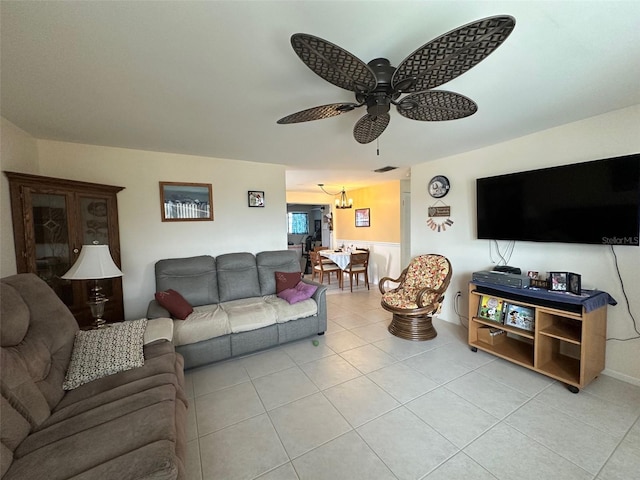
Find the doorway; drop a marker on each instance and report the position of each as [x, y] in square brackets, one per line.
[317, 231]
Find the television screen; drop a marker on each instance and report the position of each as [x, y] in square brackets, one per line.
[595, 202]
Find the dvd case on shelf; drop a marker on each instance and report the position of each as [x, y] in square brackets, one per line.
[491, 308]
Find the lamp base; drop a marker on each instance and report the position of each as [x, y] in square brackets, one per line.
[97, 310]
[99, 323]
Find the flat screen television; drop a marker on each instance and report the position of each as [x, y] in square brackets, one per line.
[595, 202]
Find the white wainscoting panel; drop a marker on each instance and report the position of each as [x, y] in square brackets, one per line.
[384, 258]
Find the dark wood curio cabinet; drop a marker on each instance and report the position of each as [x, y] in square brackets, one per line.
[52, 219]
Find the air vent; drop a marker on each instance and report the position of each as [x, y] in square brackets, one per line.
[384, 169]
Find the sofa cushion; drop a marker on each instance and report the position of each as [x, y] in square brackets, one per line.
[275, 261]
[286, 311]
[15, 317]
[21, 390]
[249, 314]
[99, 414]
[286, 280]
[105, 351]
[15, 429]
[207, 321]
[237, 276]
[195, 277]
[89, 448]
[46, 349]
[175, 303]
[300, 292]
[161, 366]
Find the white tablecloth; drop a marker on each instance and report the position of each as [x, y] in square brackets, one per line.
[339, 258]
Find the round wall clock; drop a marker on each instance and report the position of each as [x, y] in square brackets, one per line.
[439, 186]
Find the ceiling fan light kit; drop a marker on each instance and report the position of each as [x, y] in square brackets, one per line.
[378, 85]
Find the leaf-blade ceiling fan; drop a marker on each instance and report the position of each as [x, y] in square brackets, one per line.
[378, 85]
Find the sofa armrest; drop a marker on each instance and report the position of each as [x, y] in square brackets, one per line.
[158, 329]
[320, 297]
[318, 294]
[155, 310]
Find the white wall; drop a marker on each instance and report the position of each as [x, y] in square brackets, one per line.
[609, 135]
[18, 152]
[144, 238]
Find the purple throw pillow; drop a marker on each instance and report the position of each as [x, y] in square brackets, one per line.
[300, 292]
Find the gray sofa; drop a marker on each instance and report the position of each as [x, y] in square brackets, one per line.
[236, 291]
[121, 426]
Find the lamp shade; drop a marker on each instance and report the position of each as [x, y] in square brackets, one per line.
[94, 262]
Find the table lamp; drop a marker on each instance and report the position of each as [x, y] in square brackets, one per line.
[94, 263]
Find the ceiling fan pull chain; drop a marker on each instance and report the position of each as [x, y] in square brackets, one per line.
[378, 146]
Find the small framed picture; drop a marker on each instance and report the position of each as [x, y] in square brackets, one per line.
[490, 308]
[575, 283]
[565, 282]
[532, 274]
[362, 217]
[558, 281]
[256, 198]
[520, 316]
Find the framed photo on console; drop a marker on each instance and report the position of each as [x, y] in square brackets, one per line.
[565, 282]
[519, 316]
[491, 308]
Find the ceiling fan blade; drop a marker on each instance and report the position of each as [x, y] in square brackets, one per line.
[318, 113]
[333, 63]
[368, 128]
[436, 105]
[451, 54]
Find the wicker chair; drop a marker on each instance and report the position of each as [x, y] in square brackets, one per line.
[418, 296]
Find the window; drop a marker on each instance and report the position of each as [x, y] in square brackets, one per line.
[298, 223]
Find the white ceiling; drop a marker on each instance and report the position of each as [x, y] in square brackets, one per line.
[212, 77]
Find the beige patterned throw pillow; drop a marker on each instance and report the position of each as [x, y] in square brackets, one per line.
[105, 351]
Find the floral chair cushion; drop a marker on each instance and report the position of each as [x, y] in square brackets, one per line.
[423, 271]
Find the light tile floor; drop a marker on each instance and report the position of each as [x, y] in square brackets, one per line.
[364, 404]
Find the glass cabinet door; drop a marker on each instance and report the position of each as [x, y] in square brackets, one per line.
[52, 246]
[94, 229]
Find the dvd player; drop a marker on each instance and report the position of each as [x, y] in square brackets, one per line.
[501, 278]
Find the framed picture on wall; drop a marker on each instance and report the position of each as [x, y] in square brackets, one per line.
[182, 202]
[362, 217]
[256, 198]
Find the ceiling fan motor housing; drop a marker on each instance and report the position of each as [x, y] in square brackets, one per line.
[379, 100]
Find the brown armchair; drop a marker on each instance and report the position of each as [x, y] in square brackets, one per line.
[418, 296]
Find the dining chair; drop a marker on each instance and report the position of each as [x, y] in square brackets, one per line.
[321, 268]
[324, 260]
[417, 297]
[358, 263]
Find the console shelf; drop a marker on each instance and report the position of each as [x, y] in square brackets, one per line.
[568, 346]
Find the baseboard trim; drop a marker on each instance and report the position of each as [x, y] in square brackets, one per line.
[622, 376]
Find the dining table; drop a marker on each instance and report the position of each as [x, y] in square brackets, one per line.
[339, 257]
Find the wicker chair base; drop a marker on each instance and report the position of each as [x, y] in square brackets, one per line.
[412, 328]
